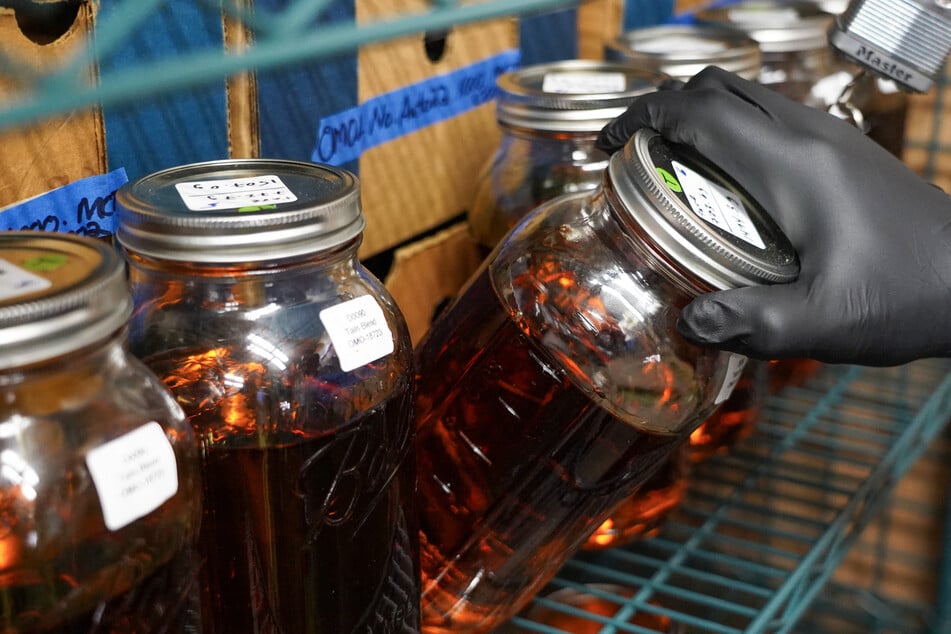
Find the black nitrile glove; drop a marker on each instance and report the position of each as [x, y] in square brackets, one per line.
[874, 239]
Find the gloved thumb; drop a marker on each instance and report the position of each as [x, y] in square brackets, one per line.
[761, 322]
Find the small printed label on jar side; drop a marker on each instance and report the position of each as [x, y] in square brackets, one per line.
[134, 474]
[16, 281]
[244, 194]
[717, 205]
[358, 330]
[583, 82]
[734, 368]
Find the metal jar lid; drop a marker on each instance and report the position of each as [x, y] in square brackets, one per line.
[699, 217]
[683, 50]
[778, 26]
[572, 95]
[243, 210]
[58, 293]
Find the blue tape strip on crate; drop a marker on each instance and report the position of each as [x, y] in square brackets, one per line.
[84, 207]
[344, 136]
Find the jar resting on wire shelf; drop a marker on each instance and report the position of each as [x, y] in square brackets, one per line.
[556, 383]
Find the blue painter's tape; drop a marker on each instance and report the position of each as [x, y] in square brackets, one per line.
[85, 207]
[344, 136]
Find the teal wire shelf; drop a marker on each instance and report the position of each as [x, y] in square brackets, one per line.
[764, 527]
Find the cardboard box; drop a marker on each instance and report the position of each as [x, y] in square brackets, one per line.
[49, 154]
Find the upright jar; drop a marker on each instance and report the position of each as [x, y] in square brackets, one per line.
[798, 62]
[549, 116]
[556, 383]
[99, 481]
[683, 50]
[295, 369]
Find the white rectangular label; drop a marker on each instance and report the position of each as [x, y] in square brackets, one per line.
[134, 474]
[253, 191]
[584, 82]
[717, 205]
[734, 368]
[358, 330]
[16, 281]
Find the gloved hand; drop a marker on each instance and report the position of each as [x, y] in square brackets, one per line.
[874, 239]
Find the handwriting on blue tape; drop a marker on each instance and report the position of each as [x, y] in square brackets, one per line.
[342, 137]
[85, 207]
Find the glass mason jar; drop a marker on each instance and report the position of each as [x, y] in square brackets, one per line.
[99, 480]
[799, 62]
[683, 50]
[556, 383]
[295, 369]
[549, 116]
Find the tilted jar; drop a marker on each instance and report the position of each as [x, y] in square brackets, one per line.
[556, 383]
[549, 116]
[295, 369]
[99, 481]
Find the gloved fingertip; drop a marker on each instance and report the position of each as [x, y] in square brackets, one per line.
[670, 84]
[701, 322]
[612, 137]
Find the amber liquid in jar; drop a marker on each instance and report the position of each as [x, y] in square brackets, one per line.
[302, 532]
[594, 605]
[735, 418]
[161, 603]
[787, 372]
[62, 570]
[498, 499]
[643, 514]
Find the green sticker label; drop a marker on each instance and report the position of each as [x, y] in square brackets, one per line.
[669, 180]
[47, 262]
[242, 210]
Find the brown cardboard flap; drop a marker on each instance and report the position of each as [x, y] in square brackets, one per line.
[56, 151]
[428, 273]
[244, 137]
[599, 22]
[414, 183]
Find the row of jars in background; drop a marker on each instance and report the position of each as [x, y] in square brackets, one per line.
[546, 396]
[550, 114]
[259, 472]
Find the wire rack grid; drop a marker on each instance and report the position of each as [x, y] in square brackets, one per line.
[764, 527]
